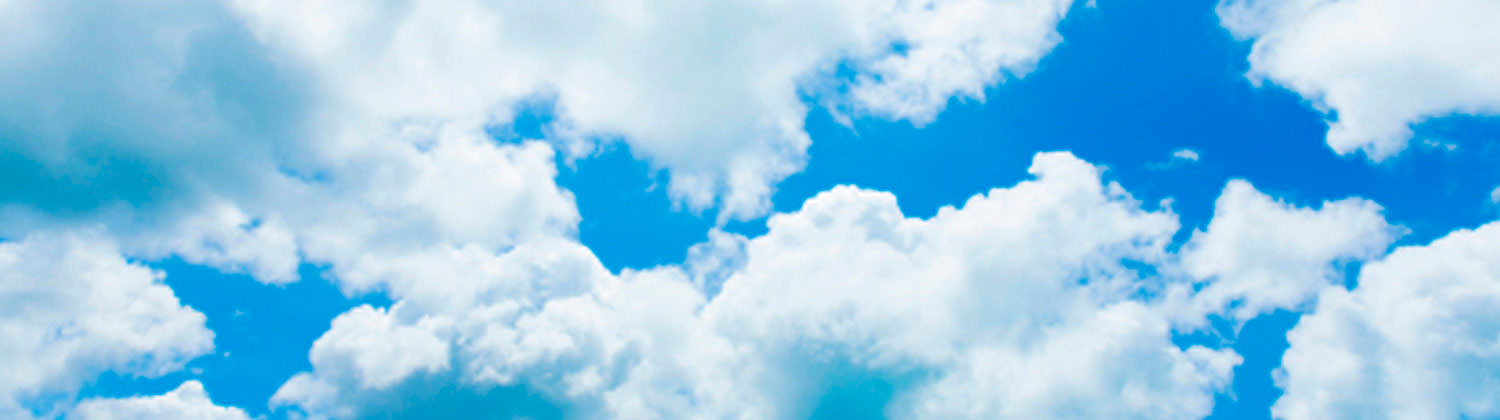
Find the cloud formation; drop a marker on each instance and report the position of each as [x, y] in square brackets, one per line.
[713, 93]
[1052, 298]
[71, 308]
[1376, 67]
[258, 136]
[1418, 338]
[1262, 254]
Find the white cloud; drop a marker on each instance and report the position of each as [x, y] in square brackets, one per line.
[1380, 65]
[351, 133]
[991, 299]
[188, 401]
[709, 92]
[996, 299]
[954, 49]
[1185, 155]
[222, 235]
[380, 364]
[248, 139]
[1260, 254]
[72, 308]
[255, 171]
[1418, 338]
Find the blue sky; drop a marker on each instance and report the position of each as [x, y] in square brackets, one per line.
[374, 205]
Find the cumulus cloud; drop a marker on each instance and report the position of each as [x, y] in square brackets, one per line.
[252, 136]
[72, 308]
[258, 136]
[178, 132]
[1375, 66]
[1260, 254]
[1418, 338]
[188, 401]
[1020, 303]
[711, 93]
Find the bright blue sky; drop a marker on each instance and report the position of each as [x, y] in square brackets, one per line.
[1130, 83]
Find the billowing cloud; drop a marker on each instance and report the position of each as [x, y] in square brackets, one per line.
[200, 141]
[710, 92]
[256, 136]
[188, 401]
[72, 308]
[1419, 337]
[1051, 298]
[1375, 66]
[252, 136]
[1260, 254]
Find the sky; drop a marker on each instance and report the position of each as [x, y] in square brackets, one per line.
[273, 209]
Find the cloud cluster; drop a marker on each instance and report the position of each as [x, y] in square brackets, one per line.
[711, 92]
[259, 136]
[1052, 298]
[1375, 66]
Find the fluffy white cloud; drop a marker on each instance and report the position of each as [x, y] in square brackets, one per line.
[1418, 338]
[709, 91]
[71, 308]
[255, 170]
[992, 300]
[1022, 299]
[253, 136]
[1379, 65]
[1260, 254]
[188, 401]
